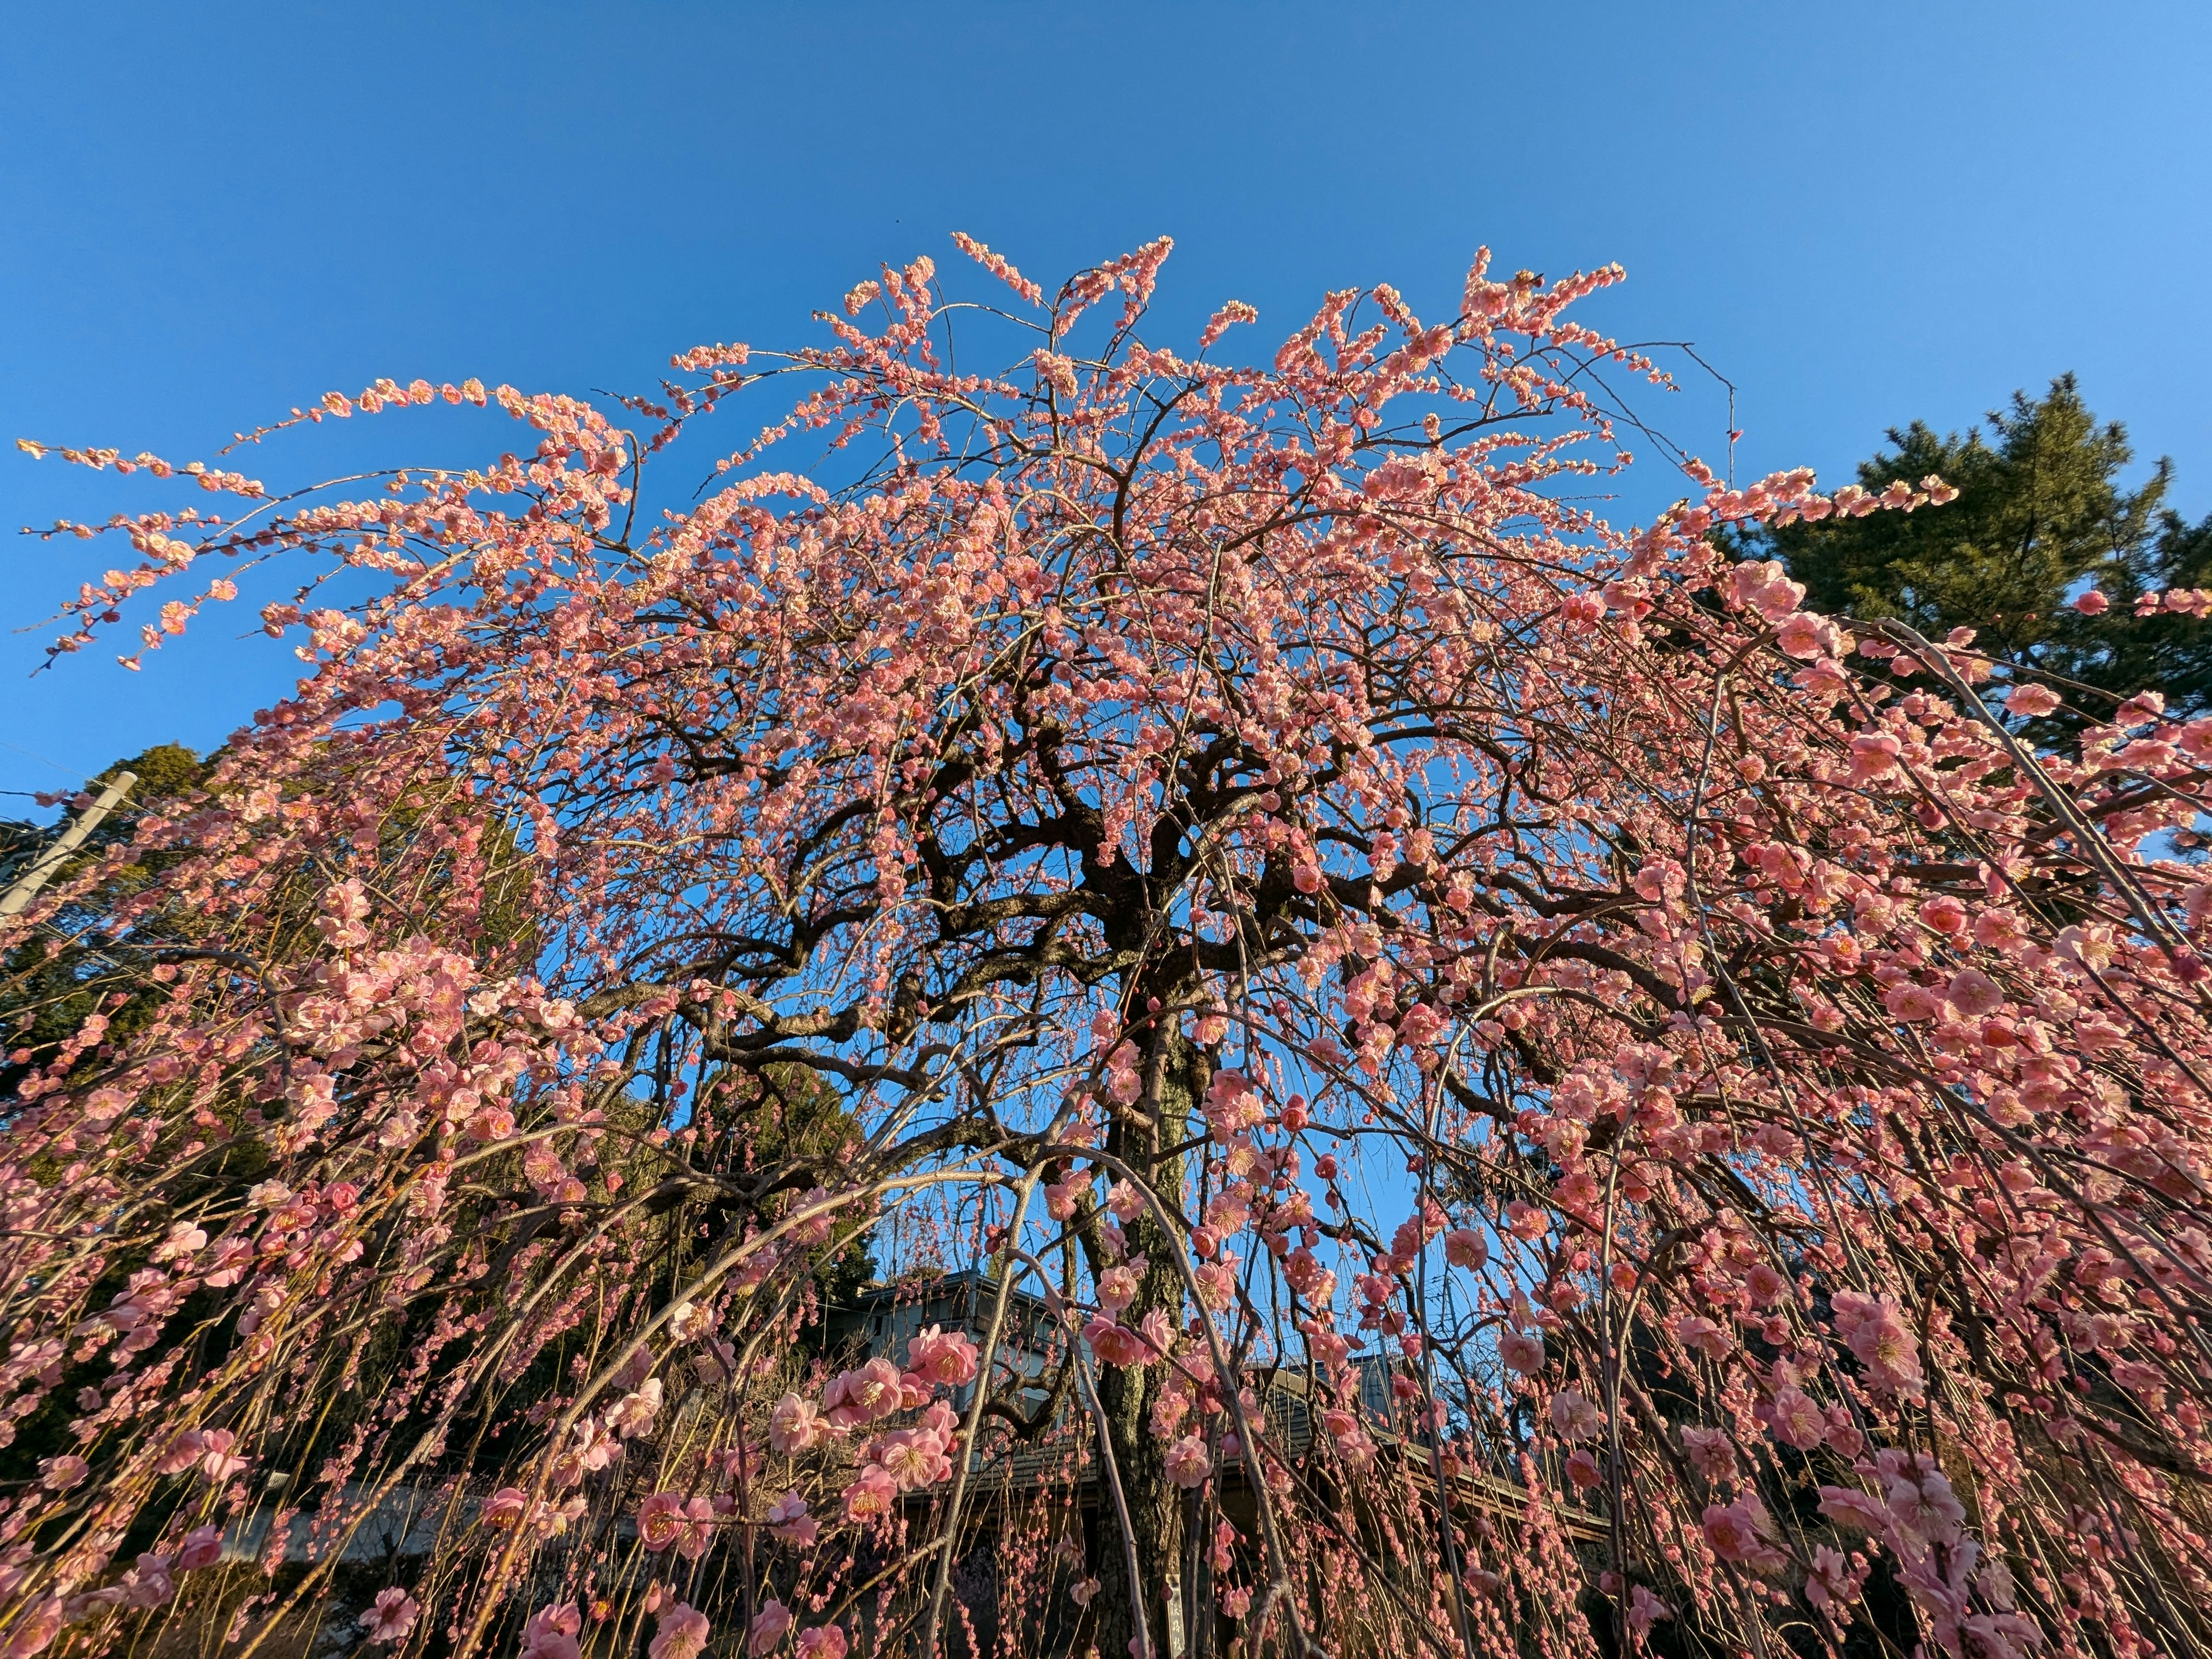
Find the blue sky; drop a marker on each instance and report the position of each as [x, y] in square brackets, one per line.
[1860, 213]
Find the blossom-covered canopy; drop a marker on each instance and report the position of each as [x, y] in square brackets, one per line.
[1512, 1089]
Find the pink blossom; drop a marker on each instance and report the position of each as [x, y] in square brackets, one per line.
[947, 1358]
[1944, 914]
[186, 1449]
[1522, 1352]
[1828, 1586]
[1843, 1435]
[1303, 1273]
[858, 1397]
[914, 1458]
[872, 1493]
[550, 1632]
[1777, 600]
[633, 1414]
[2091, 946]
[1465, 1248]
[1803, 635]
[596, 1444]
[1710, 1452]
[391, 1616]
[823, 1642]
[60, 1473]
[1116, 1345]
[1013, 733]
[1056, 371]
[1117, 1288]
[2091, 603]
[1745, 582]
[1217, 1285]
[202, 1548]
[788, 1519]
[1232, 1104]
[1187, 1462]
[149, 1584]
[1922, 1501]
[1797, 1421]
[34, 1629]
[767, 1629]
[1853, 1509]
[681, 1633]
[1765, 1283]
[2144, 706]
[1974, 993]
[1874, 754]
[1876, 1333]
[1999, 929]
[1912, 1003]
[217, 1462]
[1158, 1331]
[1737, 1532]
[660, 1520]
[1574, 1417]
[1125, 1201]
[698, 1530]
[1645, 1609]
[1420, 1025]
[793, 1426]
[1701, 1335]
[635, 1368]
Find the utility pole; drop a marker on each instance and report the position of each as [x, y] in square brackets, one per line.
[43, 867]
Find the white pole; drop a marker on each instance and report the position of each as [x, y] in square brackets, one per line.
[51, 860]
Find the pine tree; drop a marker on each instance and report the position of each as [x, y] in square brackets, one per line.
[2041, 516]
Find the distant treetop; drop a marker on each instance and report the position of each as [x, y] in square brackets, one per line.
[2041, 517]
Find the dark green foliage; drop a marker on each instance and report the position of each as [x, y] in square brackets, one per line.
[781, 1113]
[2041, 512]
[53, 981]
[56, 978]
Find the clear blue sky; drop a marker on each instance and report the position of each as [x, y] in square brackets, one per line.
[1861, 213]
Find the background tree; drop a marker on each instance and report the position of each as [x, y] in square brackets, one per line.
[58, 977]
[2042, 513]
[1263, 870]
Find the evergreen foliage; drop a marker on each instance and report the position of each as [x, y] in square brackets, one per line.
[2042, 514]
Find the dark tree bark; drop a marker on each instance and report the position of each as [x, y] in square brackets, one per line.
[1129, 1393]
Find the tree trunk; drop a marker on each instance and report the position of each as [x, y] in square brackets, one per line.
[1127, 1393]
